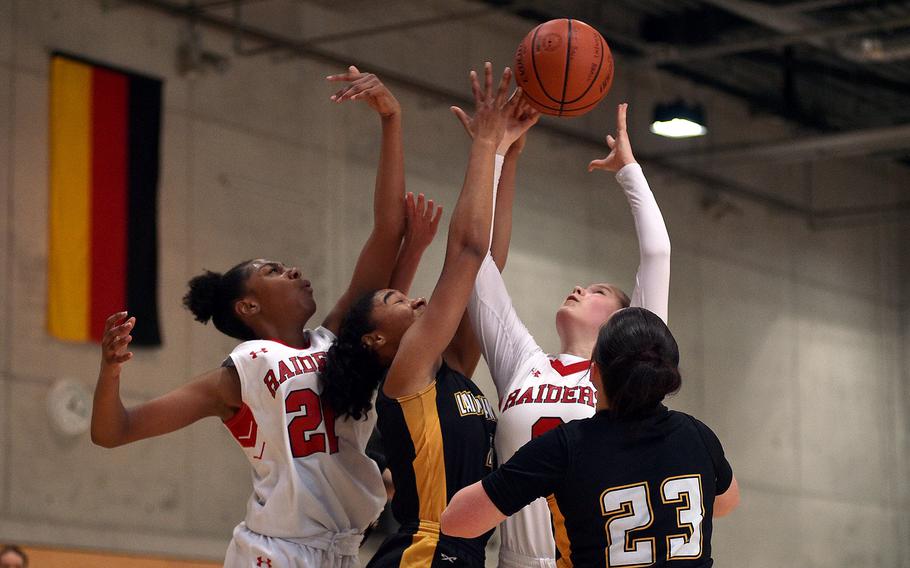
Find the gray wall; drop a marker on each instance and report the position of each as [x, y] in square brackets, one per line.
[794, 340]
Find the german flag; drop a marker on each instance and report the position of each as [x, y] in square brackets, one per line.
[104, 133]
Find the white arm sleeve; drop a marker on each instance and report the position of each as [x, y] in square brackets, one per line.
[497, 172]
[652, 282]
[504, 340]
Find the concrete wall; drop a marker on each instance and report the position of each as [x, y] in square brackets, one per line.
[793, 339]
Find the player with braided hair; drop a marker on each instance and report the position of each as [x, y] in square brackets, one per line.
[315, 490]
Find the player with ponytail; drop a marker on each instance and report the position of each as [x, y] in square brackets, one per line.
[315, 490]
[538, 391]
[636, 484]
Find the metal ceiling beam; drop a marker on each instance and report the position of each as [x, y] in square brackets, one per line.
[672, 55]
[706, 180]
[797, 24]
[845, 144]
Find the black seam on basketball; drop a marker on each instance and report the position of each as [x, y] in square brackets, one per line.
[603, 47]
[534, 65]
[548, 107]
[565, 73]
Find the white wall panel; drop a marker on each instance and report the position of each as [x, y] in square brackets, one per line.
[793, 341]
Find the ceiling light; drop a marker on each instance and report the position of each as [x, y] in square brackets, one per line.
[679, 120]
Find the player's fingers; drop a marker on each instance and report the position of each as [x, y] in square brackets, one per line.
[340, 93]
[597, 165]
[428, 213]
[351, 74]
[611, 142]
[409, 204]
[118, 330]
[124, 358]
[488, 80]
[504, 88]
[121, 341]
[475, 87]
[621, 117]
[113, 319]
[436, 219]
[421, 204]
[463, 117]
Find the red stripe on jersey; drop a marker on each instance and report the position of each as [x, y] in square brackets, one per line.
[566, 370]
[243, 427]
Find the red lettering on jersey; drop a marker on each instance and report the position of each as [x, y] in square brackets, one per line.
[587, 396]
[510, 401]
[527, 396]
[540, 390]
[271, 382]
[308, 364]
[570, 394]
[297, 368]
[284, 372]
[554, 393]
[320, 360]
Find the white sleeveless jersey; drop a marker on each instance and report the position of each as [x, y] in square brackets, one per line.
[310, 473]
[538, 392]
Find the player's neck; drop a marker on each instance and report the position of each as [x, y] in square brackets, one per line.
[579, 346]
[292, 335]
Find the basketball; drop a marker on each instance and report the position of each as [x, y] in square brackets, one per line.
[564, 67]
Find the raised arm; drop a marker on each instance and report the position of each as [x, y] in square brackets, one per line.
[520, 120]
[468, 241]
[377, 257]
[422, 222]
[215, 393]
[652, 282]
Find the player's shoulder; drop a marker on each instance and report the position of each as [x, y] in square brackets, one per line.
[253, 346]
[320, 338]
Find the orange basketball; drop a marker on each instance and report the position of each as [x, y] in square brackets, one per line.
[564, 67]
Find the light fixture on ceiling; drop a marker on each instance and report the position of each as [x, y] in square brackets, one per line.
[679, 120]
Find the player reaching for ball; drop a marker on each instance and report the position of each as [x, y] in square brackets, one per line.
[436, 425]
[314, 489]
[538, 392]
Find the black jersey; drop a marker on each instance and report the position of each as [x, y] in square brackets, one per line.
[631, 493]
[436, 441]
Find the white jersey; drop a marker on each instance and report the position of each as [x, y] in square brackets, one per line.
[311, 477]
[538, 392]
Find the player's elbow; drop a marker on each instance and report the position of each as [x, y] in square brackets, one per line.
[659, 251]
[452, 523]
[101, 440]
[725, 503]
[103, 437]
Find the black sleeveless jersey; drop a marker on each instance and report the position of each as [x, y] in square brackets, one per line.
[436, 441]
[631, 493]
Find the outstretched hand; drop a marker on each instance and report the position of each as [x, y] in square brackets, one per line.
[366, 87]
[520, 120]
[422, 219]
[115, 341]
[620, 148]
[491, 108]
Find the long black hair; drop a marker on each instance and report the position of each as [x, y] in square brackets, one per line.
[352, 370]
[212, 295]
[638, 360]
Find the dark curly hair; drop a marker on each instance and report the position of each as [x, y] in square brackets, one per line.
[638, 360]
[212, 295]
[352, 370]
